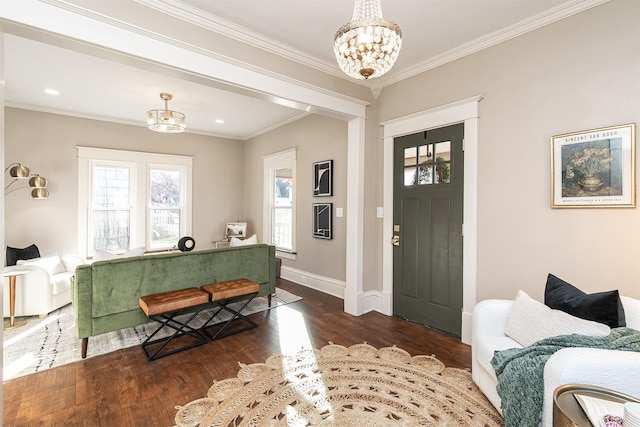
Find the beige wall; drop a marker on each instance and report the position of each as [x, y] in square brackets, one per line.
[316, 138]
[46, 143]
[577, 74]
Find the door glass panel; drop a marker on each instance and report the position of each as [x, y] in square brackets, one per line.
[425, 175]
[409, 157]
[409, 176]
[443, 160]
[425, 154]
[443, 174]
[443, 151]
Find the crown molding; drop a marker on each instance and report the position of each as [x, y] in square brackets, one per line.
[119, 121]
[213, 23]
[229, 29]
[545, 18]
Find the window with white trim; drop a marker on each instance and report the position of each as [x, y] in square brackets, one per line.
[279, 221]
[129, 199]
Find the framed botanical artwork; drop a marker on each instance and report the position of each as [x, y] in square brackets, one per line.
[323, 178]
[594, 168]
[322, 220]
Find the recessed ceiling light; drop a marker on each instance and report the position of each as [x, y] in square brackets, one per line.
[49, 91]
[219, 121]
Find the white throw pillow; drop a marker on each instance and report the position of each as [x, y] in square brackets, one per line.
[100, 255]
[530, 321]
[52, 263]
[248, 241]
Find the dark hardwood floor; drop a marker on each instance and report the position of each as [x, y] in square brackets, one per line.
[123, 389]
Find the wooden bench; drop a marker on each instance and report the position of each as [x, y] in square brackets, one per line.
[163, 308]
[224, 293]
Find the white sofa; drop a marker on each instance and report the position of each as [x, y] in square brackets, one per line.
[46, 286]
[606, 368]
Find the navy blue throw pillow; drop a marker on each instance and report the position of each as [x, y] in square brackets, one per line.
[603, 307]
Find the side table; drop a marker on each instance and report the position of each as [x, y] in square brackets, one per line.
[567, 412]
[12, 297]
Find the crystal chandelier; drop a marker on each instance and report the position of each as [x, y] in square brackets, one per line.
[368, 45]
[166, 121]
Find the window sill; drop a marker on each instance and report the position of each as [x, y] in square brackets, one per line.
[286, 255]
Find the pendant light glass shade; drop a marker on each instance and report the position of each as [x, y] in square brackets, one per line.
[166, 121]
[368, 46]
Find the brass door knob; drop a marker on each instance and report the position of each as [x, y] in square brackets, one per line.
[395, 240]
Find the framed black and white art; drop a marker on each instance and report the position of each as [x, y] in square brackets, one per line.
[322, 220]
[323, 178]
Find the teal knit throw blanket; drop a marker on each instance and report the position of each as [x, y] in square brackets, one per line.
[520, 371]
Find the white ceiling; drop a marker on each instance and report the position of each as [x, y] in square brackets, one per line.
[434, 32]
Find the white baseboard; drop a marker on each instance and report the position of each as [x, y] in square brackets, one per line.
[372, 301]
[466, 328]
[319, 283]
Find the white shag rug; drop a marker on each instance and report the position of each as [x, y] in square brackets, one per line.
[49, 342]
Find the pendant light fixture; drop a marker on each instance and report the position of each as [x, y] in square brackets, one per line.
[367, 47]
[166, 121]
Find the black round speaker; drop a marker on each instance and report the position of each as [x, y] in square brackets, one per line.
[186, 244]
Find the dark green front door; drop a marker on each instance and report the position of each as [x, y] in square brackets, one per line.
[427, 221]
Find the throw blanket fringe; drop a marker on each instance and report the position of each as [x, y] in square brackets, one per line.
[520, 371]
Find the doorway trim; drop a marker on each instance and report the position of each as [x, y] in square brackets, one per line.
[464, 111]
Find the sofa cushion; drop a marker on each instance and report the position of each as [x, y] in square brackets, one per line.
[61, 282]
[485, 347]
[16, 254]
[603, 307]
[248, 241]
[52, 263]
[632, 311]
[530, 321]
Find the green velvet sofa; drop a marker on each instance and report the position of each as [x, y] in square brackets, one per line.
[105, 293]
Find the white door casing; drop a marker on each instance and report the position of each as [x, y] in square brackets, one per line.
[464, 111]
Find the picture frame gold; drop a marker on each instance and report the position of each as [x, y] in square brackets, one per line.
[594, 168]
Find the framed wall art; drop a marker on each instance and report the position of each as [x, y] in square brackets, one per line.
[236, 229]
[322, 220]
[323, 178]
[594, 168]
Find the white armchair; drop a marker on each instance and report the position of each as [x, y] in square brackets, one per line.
[46, 286]
[606, 368]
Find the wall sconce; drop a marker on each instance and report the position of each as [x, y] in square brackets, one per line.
[37, 183]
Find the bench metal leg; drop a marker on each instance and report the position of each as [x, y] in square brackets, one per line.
[180, 329]
[235, 315]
